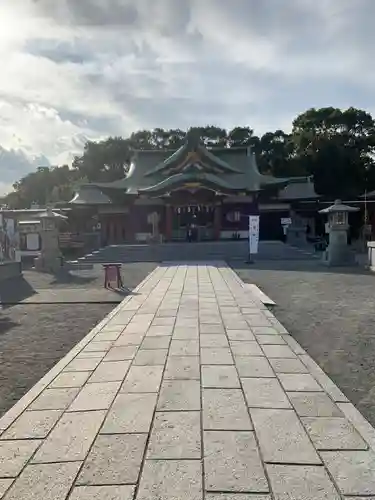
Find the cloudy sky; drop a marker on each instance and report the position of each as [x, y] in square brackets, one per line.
[78, 69]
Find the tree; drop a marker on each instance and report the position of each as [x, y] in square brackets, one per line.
[241, 136]
[337, 148]
[47, 184]
[104, 161]
[276, 155]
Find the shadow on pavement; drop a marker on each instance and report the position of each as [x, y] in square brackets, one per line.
[66, 278]
[15, 290]
[6, 324]
[307, 265]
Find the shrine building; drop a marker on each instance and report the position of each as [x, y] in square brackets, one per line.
[195, 192]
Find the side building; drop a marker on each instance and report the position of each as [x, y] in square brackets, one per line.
[195, 192]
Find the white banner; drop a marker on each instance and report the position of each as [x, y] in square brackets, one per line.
[286, 221]
[253, 234]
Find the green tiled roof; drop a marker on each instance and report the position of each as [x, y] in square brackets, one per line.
[227, 169]
[211, 180]
[244, 175]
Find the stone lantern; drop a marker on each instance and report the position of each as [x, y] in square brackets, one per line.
[50, 258]
[338, 252]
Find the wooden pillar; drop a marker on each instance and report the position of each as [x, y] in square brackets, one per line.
[168, 222]
[217, 222]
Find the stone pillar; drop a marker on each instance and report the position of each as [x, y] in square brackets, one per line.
[168, 222]
[217, 222]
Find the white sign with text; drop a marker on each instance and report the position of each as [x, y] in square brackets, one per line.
[286, 221]
[253, 234]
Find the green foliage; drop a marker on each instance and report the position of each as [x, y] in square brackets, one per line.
[335, 146]
[47, 184]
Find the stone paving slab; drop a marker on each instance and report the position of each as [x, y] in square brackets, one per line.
[189, 389]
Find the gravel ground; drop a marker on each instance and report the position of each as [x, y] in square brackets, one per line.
[34, 337]
[331, 314]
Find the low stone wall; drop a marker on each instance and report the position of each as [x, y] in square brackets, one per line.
[371, 255]
[10, 270]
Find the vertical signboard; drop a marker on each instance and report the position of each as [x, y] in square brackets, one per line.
[253, 234]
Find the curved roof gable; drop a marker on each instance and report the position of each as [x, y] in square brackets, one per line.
[90, 195]
[192, 151]
[176, 179]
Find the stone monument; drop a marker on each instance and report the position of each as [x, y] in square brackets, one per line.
[338, 252]
[296, 230]
[50, 258]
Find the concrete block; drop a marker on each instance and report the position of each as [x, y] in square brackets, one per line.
[264, 330]
[282, 438]
[32, 425]
[232, 462]
[225, 409]
[150, 357]
[264, 393]
[287, 365]
[331, 433]
[159, 331]
[130, 413]
[102, 493]
[171, 480]
[353, 471]
[220, 376]
[72, 437]
[175, 435]
[240, 335]
[44, 481]
[302, 482]
[186, 332]
[14, 455]
[114, 459]
[278, 351]
[299, 382]
[314, 404]
[212, 340]
[54, 399]
[182, 367]
[216, 356]
[245, 348]
[129, 339]
[143, 379]
[70, 380]
[98, 396]
[189, 347]
[82, 364]
[253, 367]
[156, 342]
[211, 328]
[270, 340]
[179, 395]
[121, 353]
[4, 486]
[111, 371]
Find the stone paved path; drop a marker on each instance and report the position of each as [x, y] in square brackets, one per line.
[190, 389]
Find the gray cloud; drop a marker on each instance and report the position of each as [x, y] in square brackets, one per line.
[167, 16]
[60, 51]
[14, 164]
[89, 12]
[90, 68]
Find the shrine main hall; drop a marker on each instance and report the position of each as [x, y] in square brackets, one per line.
[195, 193]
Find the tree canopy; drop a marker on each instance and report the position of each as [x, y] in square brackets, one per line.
[335, 146]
